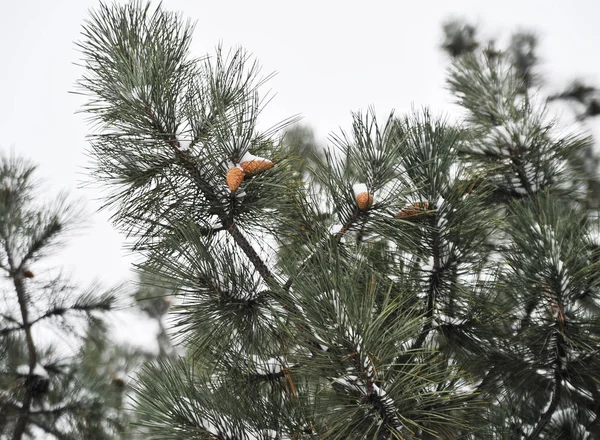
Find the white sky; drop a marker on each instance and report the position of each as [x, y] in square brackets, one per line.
[332, 57]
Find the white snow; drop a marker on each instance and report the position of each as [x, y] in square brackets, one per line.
[248, 157]
[359, 188]
[334, 229]
[271, 366]
[184, 144]
[503, 134]
[440, 202]
[229, 164]
[522, 140]
[37, 371]
[351, 383]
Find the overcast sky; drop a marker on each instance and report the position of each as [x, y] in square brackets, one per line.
[332, 57]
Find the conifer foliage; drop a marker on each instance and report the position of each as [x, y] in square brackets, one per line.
[418, 280]
[49, 381]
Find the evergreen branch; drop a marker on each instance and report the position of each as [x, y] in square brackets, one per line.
[249, 251]
[40, 423]
[375, 396]
[356, 214]
[7, 330]
[22, 297]
[518, 163]
[102, 304]
[227, 222]
[434, 285]
[547, 416]
[179, 125]
[558, 366]
[183, 158]
[577, 91]
[33, 396]
[269, 376]
[505, 194]
[595, 409]
[57, 410]
[40, 241]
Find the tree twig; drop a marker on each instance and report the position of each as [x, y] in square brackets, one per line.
[434, 285]
[228, 224]
[17, 277]
[547, 416]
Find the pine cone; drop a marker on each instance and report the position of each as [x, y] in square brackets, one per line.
[256, 166]
[414, 211]
[118, 382]
[235, 177]
[364, 201]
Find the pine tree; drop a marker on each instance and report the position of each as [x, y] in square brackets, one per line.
[421, 279]
[461, 38]
[543, 316]
[79, 384]
[49, 388]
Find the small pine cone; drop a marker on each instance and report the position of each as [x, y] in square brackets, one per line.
[364, 201]
[414, 211]
[235, 177]
[256, 166]
[118, 382]
[27, 273]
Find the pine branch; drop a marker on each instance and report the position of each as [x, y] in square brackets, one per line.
[33, 395]
[375, 397]
[435, 283]
[356, 215]
[227, 222]
[57, 410]
[41, 240]
[249, 251]
[7, 330]
[35, 419]
[173, 195]
[558, 348]
[86, 308]
[547, 416]
[22, 297]
[520, 169]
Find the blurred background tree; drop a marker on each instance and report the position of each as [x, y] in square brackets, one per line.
[60, 375]
[538, 357]
[460, 38]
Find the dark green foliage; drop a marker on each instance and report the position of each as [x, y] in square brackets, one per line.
[48, 387]
[460, 38]
[461, 303]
